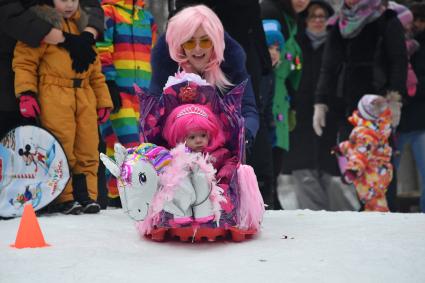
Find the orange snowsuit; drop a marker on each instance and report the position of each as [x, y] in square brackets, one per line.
[68, 102]
[369, 155]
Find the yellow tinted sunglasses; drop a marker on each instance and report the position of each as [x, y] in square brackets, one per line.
[204, 43]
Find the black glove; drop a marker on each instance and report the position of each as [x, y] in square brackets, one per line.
[80, 48]
[115, 95]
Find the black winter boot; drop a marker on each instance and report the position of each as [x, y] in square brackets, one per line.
[69, 207]
[81, 194]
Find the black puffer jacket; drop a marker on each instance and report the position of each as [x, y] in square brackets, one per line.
[374, 61]
[412, 113]
[18, 23]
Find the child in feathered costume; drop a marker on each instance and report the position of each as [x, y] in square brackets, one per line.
[368, 152]
[195, 184]
[200, 130]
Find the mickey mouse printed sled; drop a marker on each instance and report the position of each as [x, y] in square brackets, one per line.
[33, 169]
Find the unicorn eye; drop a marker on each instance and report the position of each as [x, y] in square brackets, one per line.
[142, 178]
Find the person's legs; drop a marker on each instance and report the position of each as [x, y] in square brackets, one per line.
[340, 195]
[309, 190]
[418, 148]
[277, 168]
[86, 151]
[402, 140]
[102, 197]
[391, 193]
[122, 127]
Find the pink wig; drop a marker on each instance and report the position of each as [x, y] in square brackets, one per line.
[181, 28]
[191, 117]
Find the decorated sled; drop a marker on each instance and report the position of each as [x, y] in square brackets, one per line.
[238, 210]
[33, 169]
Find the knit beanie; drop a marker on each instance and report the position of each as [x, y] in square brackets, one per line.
[403, 13]
[371, 106]
[273, 33]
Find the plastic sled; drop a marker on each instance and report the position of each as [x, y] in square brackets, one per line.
[241, 219]
[33, 169]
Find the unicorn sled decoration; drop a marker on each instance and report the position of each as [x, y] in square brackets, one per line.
[187, 180]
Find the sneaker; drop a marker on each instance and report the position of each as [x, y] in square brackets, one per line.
[68, 207]
[90, 206]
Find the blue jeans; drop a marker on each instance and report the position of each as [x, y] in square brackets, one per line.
[416, 140]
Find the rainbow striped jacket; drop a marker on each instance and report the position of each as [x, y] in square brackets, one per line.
[130, 34]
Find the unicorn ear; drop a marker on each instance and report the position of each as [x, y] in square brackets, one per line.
[110, 164]
[120, 154]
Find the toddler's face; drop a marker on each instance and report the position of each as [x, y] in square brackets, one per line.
[274, 54]
[66, 8]
[197, 141]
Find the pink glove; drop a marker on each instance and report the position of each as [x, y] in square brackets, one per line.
[28, 105]
[103, 115]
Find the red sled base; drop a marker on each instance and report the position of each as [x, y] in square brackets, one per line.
[200, 234]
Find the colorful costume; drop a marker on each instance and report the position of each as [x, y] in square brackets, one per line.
[68, 101]
[369, 158]
[125, 55]
[234, 202]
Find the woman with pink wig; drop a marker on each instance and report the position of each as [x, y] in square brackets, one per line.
[195, 41]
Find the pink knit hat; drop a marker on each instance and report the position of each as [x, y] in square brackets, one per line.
[403, 13]
[371, 106]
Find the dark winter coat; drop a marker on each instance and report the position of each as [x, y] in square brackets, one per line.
[413, 111]
[309, 151]
[18, 23]
[374, 61]
[233, 67]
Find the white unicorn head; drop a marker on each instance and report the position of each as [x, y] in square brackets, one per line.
[137, 172]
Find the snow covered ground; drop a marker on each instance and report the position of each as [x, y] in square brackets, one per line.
[294, 246]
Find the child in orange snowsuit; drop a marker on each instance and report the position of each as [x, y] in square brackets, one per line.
[368, 152]
[72, 102]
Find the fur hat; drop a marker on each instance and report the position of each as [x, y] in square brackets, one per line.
[273, 33]
[371, 106]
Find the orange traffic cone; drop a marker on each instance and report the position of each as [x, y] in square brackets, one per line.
[29, 232]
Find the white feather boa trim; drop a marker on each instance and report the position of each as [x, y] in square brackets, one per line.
[185, 77]
[180, 166]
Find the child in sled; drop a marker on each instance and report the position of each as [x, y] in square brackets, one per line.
[199, 129]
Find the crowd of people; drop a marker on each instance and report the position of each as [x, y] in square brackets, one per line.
[312, 76]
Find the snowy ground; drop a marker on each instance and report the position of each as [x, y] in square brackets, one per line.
[294, 246]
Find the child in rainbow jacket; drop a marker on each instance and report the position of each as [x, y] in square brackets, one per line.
[130, 33]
